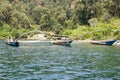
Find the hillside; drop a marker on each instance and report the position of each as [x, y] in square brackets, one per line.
[81, 19]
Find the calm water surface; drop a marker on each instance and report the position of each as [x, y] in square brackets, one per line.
[44, 61]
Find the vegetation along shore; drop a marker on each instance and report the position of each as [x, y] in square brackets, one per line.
[80, 19]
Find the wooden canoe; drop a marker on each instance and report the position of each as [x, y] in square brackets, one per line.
[62, 42]
[13, 43]
[109, 42]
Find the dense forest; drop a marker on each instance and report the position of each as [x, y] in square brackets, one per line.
[80, 19]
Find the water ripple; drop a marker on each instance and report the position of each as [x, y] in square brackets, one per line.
[43, 61]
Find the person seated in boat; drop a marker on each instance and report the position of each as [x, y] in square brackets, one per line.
[65, 39]
[12, 40]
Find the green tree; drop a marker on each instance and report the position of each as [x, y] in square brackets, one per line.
[37, 12]
[19, 19]
[45, 22]
[62, 18]
[5, 12]
[114, 7]
[87, 9]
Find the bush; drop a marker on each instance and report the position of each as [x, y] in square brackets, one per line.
[100, 32]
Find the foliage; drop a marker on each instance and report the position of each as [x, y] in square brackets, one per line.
[101, 31]
[77, 18]
[6, 30]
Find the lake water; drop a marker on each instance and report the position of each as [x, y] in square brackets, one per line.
[44, 61]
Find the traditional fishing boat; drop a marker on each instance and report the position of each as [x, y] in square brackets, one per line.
[109, 42]
[12, 42]
[62, 42]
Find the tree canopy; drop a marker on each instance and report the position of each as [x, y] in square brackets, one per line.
[56, 15]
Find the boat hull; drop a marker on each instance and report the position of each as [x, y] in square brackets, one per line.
[104, 42]
[13, 43]
[65, 43]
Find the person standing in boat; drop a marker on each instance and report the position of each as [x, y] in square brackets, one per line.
[9, 39]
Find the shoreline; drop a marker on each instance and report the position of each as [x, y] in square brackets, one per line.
[74, 41]
[117, 43]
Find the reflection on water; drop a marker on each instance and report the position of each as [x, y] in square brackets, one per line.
[44, 61]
